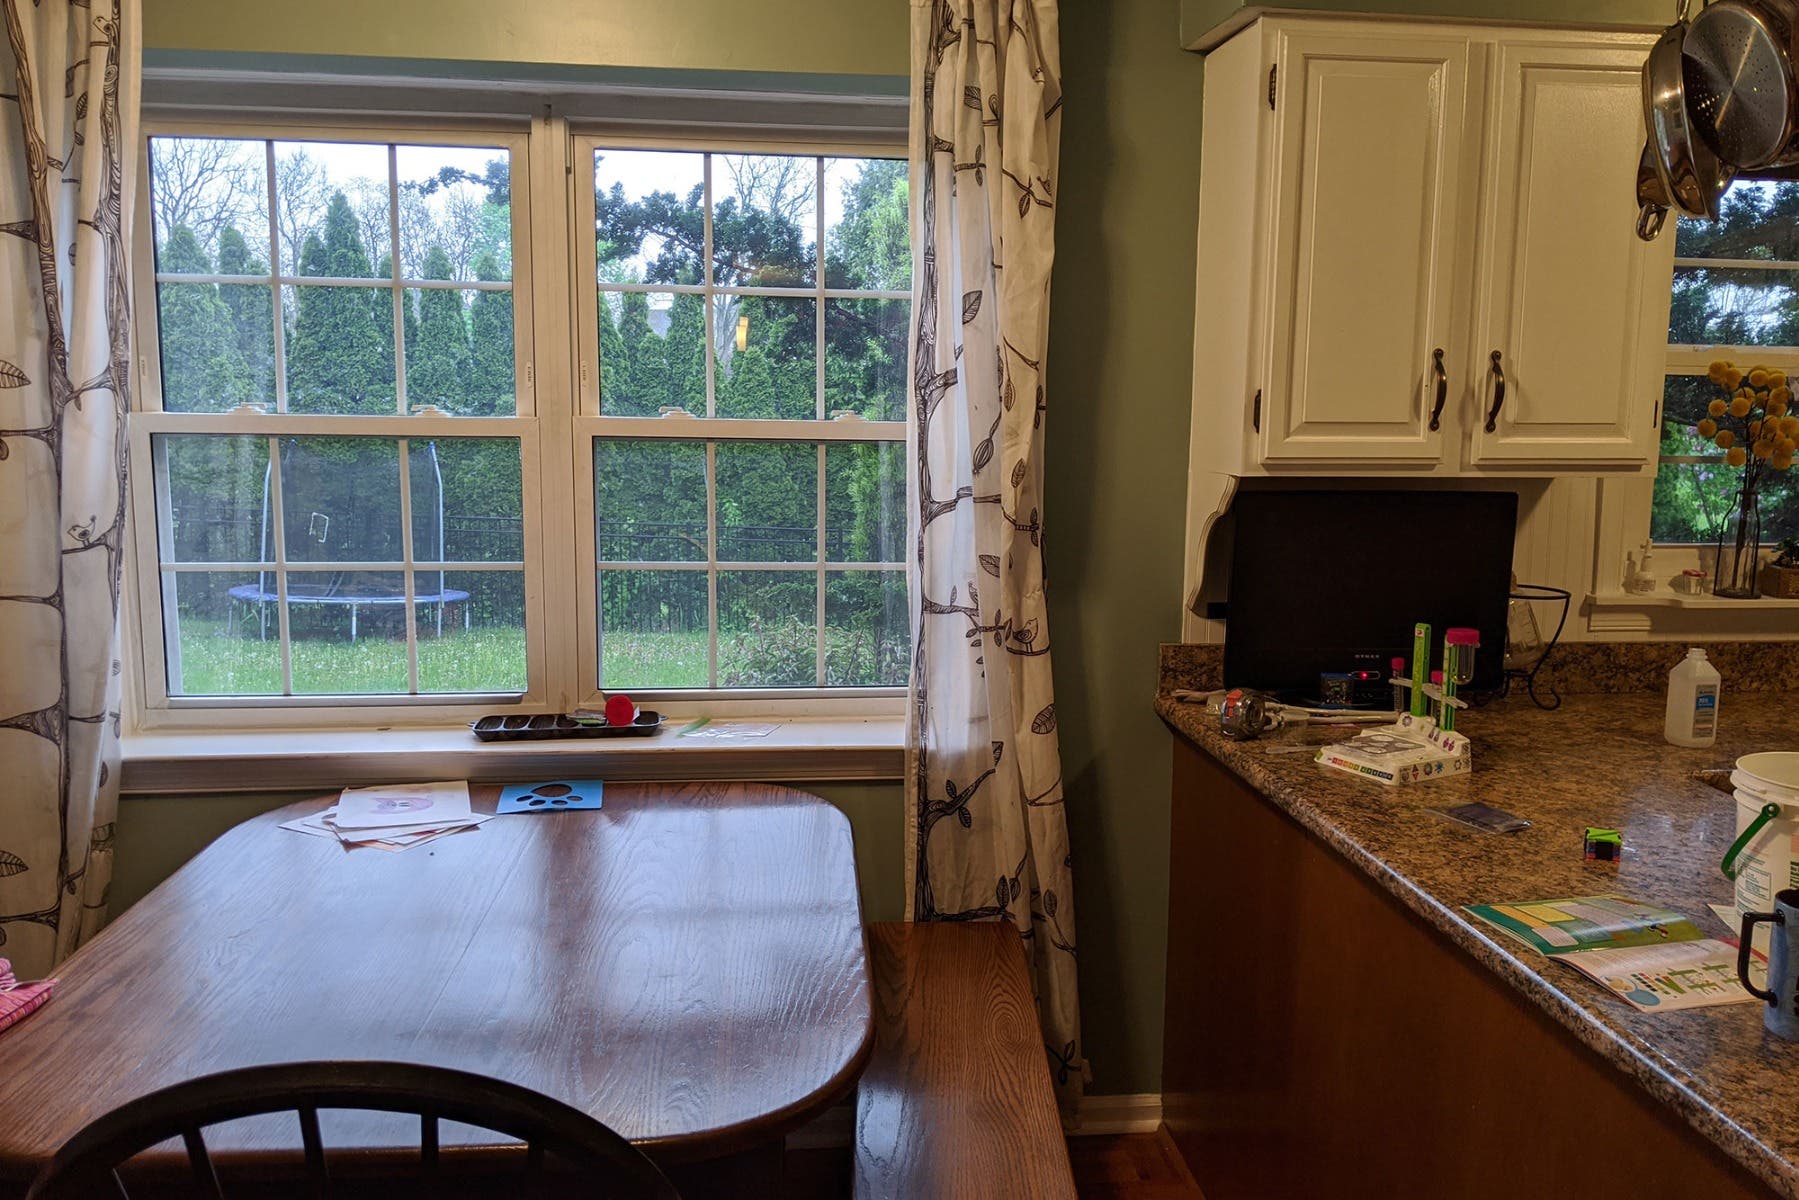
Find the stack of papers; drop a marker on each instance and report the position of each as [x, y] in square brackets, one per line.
[1651, 957]
[394, 818]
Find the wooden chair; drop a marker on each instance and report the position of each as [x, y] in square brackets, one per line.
[595, 1161]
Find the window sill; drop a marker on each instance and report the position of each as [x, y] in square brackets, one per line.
[810, 749]
[1667, 613]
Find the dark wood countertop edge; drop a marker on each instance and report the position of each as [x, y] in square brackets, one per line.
[1654, 1074]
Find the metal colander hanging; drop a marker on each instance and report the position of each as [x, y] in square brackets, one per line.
[1737, 68]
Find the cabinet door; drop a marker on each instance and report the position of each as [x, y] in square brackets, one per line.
[1573, 302]
[1368, 156]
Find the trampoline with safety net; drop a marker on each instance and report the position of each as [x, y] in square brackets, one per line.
[341, 507]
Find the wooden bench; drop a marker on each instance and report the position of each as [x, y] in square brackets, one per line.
[956, 1100]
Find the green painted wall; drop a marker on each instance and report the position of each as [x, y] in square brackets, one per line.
[1198, 17]
[156, 834]
[851, 37]
[1120, 360]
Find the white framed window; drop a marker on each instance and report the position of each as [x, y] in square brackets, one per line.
[360, 462]
[740, 433]
[1736, 297]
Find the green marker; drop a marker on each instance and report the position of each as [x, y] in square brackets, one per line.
[1420, 667]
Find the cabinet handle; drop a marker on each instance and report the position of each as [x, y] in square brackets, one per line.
[1436, 413]
[1498, 394]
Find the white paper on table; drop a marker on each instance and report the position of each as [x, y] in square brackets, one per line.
[1667, 977]
[312, 823]
[397, 805]
[407, 841]
[403, 837]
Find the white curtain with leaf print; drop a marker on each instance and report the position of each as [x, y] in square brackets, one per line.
[69, 81]
[987, 836]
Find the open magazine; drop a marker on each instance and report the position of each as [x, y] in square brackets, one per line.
[1654, 958]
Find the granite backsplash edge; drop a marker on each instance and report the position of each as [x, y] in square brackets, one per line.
[1574, 668]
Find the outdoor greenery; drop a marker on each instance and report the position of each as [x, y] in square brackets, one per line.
[1727, 306]
[334, 217]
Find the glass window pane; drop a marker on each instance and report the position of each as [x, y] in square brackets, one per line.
[767, 501]
[340, 501]
[767, 629]
[868, 640]
[218, 344]
[649, 501]
[221, 634]
[865, 358]
[867, 224]
[340, 350]
[767, 352]
[472, 637]
[652, 353]
[652, 629]
[1756, 220]
[209, 203]
[459, 350]
[649, 215]
[215, 506]
[348, 632]
[456, 204]
[764, 220]
[865, 502]
[1734, 307]
[469, 506]
[333, 206]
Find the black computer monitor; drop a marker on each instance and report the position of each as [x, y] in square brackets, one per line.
[1330, 581]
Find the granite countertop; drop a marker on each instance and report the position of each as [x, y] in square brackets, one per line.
[1599, 760]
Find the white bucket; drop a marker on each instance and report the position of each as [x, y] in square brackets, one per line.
[1769, 862]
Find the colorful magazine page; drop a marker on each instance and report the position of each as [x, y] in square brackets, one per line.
[1666, 977]
[1581, 923]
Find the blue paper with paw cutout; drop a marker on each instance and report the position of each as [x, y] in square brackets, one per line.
[558, 796]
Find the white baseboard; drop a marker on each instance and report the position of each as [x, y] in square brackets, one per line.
[1139, 1113]
[1096, 1116]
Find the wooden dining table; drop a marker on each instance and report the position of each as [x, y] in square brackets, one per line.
[686, 964]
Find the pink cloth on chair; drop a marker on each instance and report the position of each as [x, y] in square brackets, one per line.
[19, 1000]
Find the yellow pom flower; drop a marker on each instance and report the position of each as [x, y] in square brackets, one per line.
[1777, 378]
[1755, 429]
[1758, 377]
[1736, 457]
[1789, 427]
[1740, 406]
[1733, 378]
[1717, 370]
[1781, 393]
[1763, 449]
[1717, 408]
[1784, 447]
[1777, 408]
[1707, 428]
[1781, 462]
[1725, 439]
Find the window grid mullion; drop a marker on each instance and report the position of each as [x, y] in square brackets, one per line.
[818, 317]
[711, 564]
[278, 518]
[410, 589]
[708, 304]
[443, 285]
[399, 300]
[279, 301]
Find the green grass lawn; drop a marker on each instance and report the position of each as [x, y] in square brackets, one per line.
[216, 661]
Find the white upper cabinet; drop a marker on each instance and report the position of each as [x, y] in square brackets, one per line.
[1573, 304]
[1384, 205]
[1369, 145]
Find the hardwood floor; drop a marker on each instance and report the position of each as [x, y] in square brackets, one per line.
[1130, 1166]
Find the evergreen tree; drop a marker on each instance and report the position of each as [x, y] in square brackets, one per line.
[338, 360]
[685, 353]
[202, 370]
[490, 342]
[252, 319]
[384, 316]
[439, 367]
[643, 388]
[613, 364]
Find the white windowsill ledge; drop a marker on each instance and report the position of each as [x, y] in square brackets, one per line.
[1667, 598]
[808, 749]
